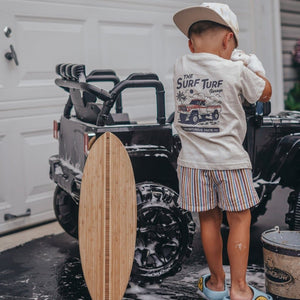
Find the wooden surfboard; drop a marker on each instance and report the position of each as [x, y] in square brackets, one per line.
[107, 219]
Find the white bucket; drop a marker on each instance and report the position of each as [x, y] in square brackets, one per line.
[281, 251]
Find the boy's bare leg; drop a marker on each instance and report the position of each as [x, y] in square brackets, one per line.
[238, 252]
[210, 224]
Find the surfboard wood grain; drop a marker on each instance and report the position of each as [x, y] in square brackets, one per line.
[107, 219]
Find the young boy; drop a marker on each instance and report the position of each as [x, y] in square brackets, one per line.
[214, 170]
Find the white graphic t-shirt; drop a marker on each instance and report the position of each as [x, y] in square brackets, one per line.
[209, 116]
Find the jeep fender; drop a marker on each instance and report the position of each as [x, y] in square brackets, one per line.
[153, 163]
[285, 163]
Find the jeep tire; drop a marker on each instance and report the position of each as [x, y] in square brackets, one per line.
[66, 211]
[164, 233]
[292, 218]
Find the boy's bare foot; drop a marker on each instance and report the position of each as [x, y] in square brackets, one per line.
[215, 284]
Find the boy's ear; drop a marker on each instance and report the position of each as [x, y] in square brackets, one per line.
[227, 38]
[191, 46]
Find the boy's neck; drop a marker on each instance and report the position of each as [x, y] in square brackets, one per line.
[205, 45]
[209, 43]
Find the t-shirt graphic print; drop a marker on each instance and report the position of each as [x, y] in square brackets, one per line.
[199, 103]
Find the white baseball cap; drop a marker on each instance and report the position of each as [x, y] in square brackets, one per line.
[216, 12]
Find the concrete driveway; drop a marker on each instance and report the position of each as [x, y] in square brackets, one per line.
[48, 267]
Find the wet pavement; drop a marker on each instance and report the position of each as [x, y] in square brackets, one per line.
[49, 267]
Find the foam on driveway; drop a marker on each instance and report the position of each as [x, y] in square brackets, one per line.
[49, 268]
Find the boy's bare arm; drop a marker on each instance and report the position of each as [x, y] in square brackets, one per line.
[254, 64]
[267, 92]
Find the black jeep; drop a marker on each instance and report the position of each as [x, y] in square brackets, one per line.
[164, 231]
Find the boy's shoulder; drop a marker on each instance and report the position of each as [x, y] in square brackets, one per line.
[208, 60]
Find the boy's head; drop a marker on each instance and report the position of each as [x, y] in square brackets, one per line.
[208, 18]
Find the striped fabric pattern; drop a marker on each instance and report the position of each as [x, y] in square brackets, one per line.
[202, 190]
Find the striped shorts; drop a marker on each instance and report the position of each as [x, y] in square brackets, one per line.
[202, 190]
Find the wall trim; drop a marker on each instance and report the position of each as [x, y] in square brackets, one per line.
[153, 5]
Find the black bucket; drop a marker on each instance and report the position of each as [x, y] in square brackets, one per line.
[282, 263]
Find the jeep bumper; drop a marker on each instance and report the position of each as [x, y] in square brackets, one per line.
[66, 176]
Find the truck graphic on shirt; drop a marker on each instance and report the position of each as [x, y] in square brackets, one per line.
[198, 111]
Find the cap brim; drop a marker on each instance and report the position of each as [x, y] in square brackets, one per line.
[188, 16]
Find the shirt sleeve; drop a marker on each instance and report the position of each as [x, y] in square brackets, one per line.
[251, 84]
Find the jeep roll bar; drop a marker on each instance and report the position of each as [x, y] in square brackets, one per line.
[143, 76]
[138, 83]
[71, 81]
[106, 75]
[136, 80]
[102, 72]
[85, 87]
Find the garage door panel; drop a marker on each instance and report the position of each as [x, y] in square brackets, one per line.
[39, 36]
[38, 146]
[173, 39]
[4, 177]
[14, 109]
[124, 46]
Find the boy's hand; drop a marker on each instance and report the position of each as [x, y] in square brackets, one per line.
[240, 55]
[255, 65]
[250, 61]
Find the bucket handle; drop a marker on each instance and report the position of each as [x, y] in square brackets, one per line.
[276, 229]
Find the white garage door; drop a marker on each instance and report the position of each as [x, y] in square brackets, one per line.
[124, 35]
